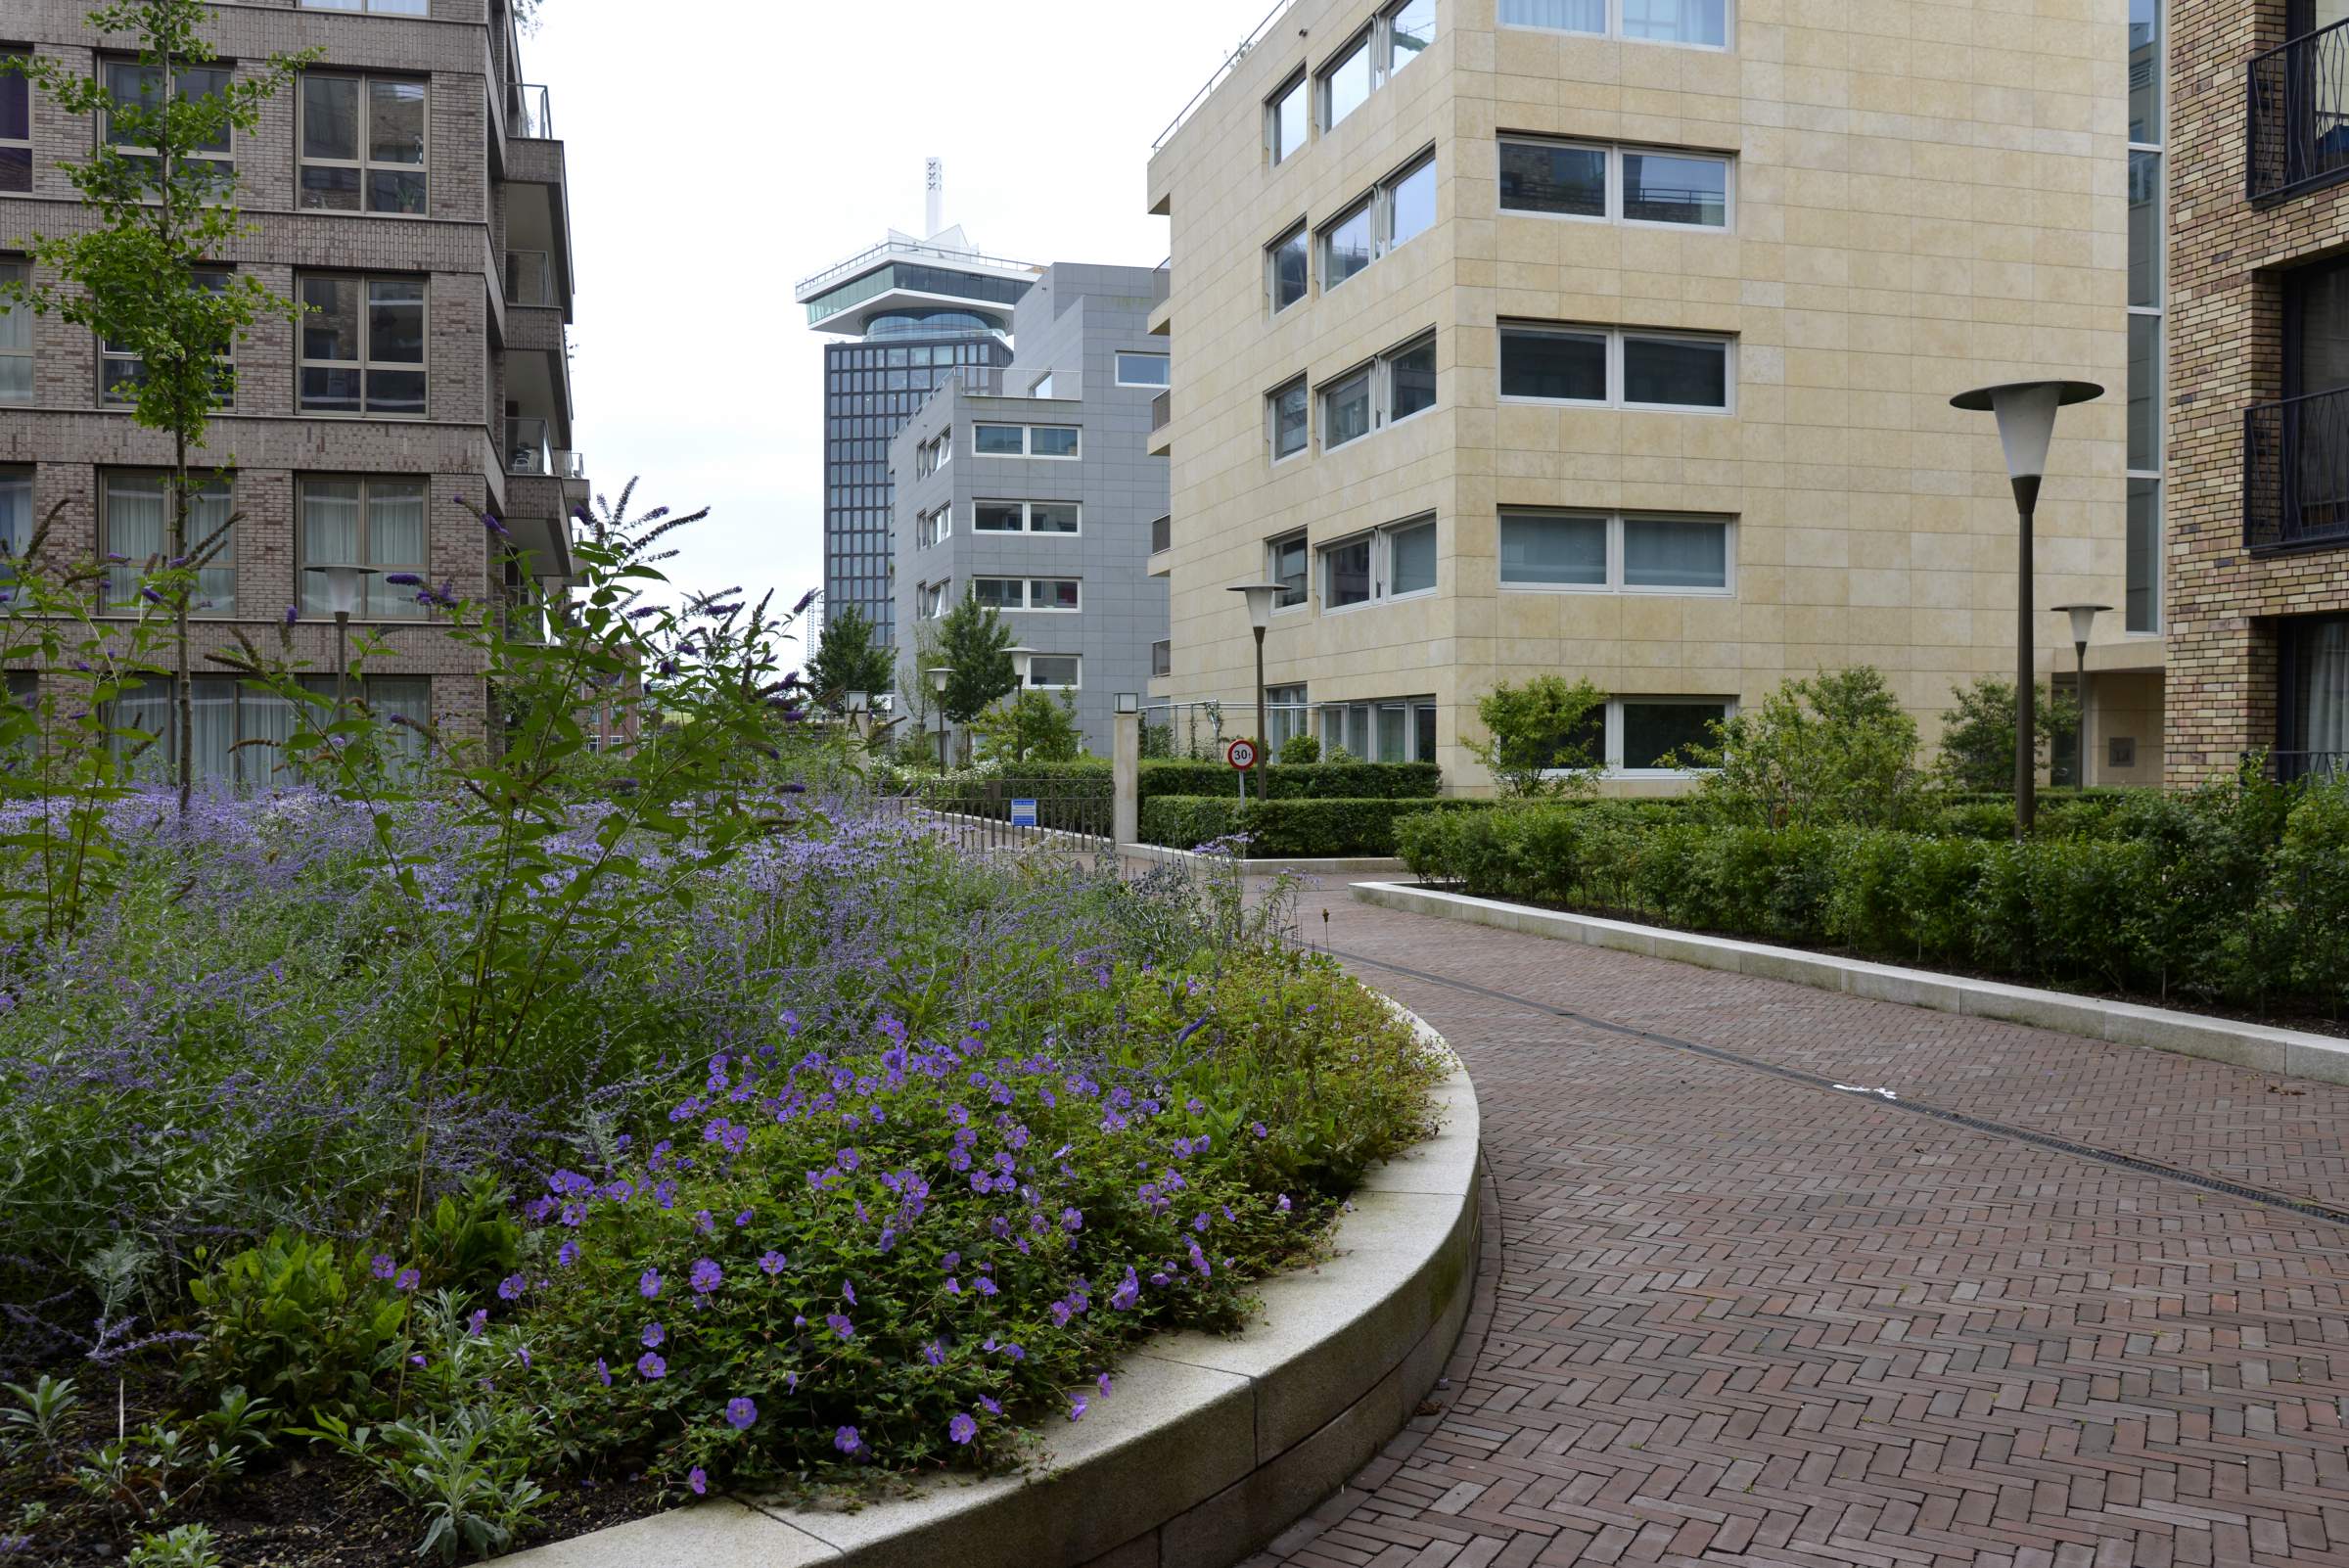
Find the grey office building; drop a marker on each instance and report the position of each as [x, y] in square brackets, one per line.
[1030, 485]
[916, 312]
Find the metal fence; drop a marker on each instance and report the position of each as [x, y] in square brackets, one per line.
[1008, 815]
[2297, 472]
[2292, 768]
[2298, 107]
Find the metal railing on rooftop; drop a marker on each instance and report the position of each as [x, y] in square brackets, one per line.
[530, 112]
[2298, 107]
[1230, 61]
[530, 278]
[864, 260]
[2297, 472]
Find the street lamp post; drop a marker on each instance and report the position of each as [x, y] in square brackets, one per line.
[2026, 415]
[2084, 621]
[346, 588]
[1259, 597]
[939, 674]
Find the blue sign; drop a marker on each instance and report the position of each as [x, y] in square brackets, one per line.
[1023, 814]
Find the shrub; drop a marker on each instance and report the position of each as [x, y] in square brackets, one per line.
[1356, 781]
[1031, 726]
[1977, 734]
[1288, 828]
[1833, 750]
[1300, 750]
[298, 1325]
[1543, 738]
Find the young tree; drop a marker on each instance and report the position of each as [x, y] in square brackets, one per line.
[1977, 737]
[1546, 736]
[975, 643]
[847, 658]
[1836, 748]
[144, 276]
[1031, 726]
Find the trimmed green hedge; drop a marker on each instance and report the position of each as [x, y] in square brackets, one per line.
[1314, 781]
[1291, 829]
[2233, 894]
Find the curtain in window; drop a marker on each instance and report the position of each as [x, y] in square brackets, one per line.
[408, 697]
[1569, 15]
[1662, 554]
[16, 513]
[214, 714]
[216, 582]
[136, 525]
[330, 534]
[266, 719]
[2325, 700]
[146, 710]
[16, 341]
[395, 543]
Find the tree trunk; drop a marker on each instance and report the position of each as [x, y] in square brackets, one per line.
[183, 685]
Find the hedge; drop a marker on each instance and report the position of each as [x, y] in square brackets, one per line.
[1311, 781]
[2234, 895]
[1290, 829]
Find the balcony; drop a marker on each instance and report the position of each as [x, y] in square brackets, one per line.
[1162, 658]
[2293, 768]
[1161, 410]
[526, 447]
[2299, 112]
[531, 279]
[529, 113]
[1162, 536]
[2296, 472]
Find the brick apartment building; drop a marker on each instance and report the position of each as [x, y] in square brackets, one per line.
[2257, 553]
[410, 190]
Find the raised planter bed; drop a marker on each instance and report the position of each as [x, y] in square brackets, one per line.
[1210, 1447]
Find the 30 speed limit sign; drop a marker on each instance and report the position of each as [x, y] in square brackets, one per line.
[1241, 755]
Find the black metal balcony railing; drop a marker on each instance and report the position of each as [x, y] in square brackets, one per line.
[2299, 113]
[2290, 767]
[2297, 472]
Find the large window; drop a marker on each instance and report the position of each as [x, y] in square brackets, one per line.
[1025, 441]
[363, 346]
[1653, 734]
[1025, 517]
[237, 731]
[1614, 366]
[1392, 387]
[133, 85]
[16, 520]
[930, 600]
[1285, 115]
[1285, 563]
[1395, 37]
[1599, 552]
[1346, 82]
[934, 527]
[1701, 23]
[1055, 671]
[381, 8]
[1402, 207]
[1285, 269]
[1059, 595]
[135, 521]
[1287, 415]
[15, 338]
[1396, 562]
[1141, 370]
[932, 455]
[16, 130]
[122, 370]
[2314, 732]
[2146, 294]
[376, 523]
[1606, 183]
[1387, 729]
[363, 141]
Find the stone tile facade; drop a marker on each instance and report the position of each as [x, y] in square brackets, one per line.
[490, 358]
[2230, 257]
[1927, 197]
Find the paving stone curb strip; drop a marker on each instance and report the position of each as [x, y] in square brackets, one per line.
[2256, 1046]
[1209, 1448]
[1360, 867]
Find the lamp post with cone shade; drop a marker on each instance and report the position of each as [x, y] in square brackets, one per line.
[346, 590]
[2084, 621]
[2026, 414]
[1260, 597]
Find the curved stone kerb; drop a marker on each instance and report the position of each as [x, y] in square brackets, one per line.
[1209, 1448]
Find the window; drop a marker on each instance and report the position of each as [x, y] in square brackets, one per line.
[1616, 553]
[1285, 269]
[362, 347]
[1055, 671]
[236, 730]
[1142, 370]
[2147, 131]
[1389, 729]
[16, 520]
[930, 600]
[1392, 387]
[1284, 119]
[139, 90]
[1286, 715]
[1025, 517]
[15, 338]
[16, 131]
[364, 142]
[135, 522]
[1162, 656]
[1701, 23]
[376, 523]
[381, 8]
[1412, 31]
[1346, 82]
[1054, 594]
[1396, 562]
[1286, 408]
[1402, 207]
[1025, 441]
[1644, 732]
[1614, 184]
[1285, 564]
[933, 527]
[2313, 695]
[121, 370]
[932, 455]
[1627, 368]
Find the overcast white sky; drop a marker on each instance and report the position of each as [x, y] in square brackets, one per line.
[722, 150]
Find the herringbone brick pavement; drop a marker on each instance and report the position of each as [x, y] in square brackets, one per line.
[1736, 1319]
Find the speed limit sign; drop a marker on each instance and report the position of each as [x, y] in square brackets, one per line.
[1241, 755]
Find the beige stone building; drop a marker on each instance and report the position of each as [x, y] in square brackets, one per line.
[409, 188]
[1616, 339]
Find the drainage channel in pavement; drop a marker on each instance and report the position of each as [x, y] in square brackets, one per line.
[2022, 1134]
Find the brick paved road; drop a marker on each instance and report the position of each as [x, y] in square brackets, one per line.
[1734, 1318]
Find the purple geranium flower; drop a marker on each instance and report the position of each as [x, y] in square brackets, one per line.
[740, 1414]
[846, 1441]
[962, 1429]
[654, 1334]
[652, 1368]
[649, 1286]
[840, 1325]
[774, 1262]
[408, 1279]
[382, 1266]
[698, 1479]
[509, 1288]
[707, 1276]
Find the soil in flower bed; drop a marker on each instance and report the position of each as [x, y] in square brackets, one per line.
[2307, 1022]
